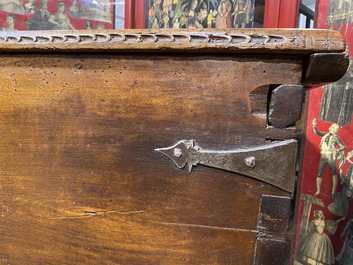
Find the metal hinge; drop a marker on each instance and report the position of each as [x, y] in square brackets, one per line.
[272, 163]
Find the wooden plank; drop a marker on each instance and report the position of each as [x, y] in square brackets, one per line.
[318, 73]
[123, 240]
[81, 181]
[82, 115]
[295, 41]
[273, 219]
[285, 105]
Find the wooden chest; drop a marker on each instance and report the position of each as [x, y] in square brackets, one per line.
[171, 147]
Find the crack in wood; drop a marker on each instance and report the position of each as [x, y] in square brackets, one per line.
[208, 226]
[100, 213]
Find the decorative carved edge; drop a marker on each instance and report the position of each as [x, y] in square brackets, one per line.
[275, 40]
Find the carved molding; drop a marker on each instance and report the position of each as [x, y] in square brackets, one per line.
[275, 40]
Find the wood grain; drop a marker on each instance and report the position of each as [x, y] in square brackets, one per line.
[81, 182]
[323, 68]
[283, 112]
[295, 41]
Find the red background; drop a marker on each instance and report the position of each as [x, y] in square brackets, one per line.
[311, 152]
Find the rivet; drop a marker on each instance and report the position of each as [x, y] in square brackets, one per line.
[177, 152]
[250, 161]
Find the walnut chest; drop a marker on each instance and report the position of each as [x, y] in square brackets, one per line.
[139, 147]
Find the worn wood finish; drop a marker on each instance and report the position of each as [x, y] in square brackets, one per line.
[270, 244]
[296, 41]
[81, 181]
[283, 112]
[318, 73]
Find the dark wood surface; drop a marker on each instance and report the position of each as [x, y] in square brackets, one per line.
[283, 112]
[81, 182]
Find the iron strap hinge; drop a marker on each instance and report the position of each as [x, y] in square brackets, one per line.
[271, 163]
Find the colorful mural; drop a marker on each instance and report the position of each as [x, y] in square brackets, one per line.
[324, 219]
[200, 14]
[55, 14]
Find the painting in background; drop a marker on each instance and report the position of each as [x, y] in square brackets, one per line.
[200, 14]
[325, 191]
[56, 14]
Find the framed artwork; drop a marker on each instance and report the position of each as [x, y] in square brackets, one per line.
[56, 14]
[324, 218]
[200, 14]
[156, 14]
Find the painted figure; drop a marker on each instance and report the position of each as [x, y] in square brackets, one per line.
[346, 255]
[331, 149]
[30, 7]
[222, 14]
[191, 15]
[317, 248]
[240, 14]
[201, 19]
[60, 20]
[154, 15]
[10, 23]
[40, 19]
[200, 13]
[89, 25]
[165, 21]
[309, 201]
[183, 21]
[210, 18]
